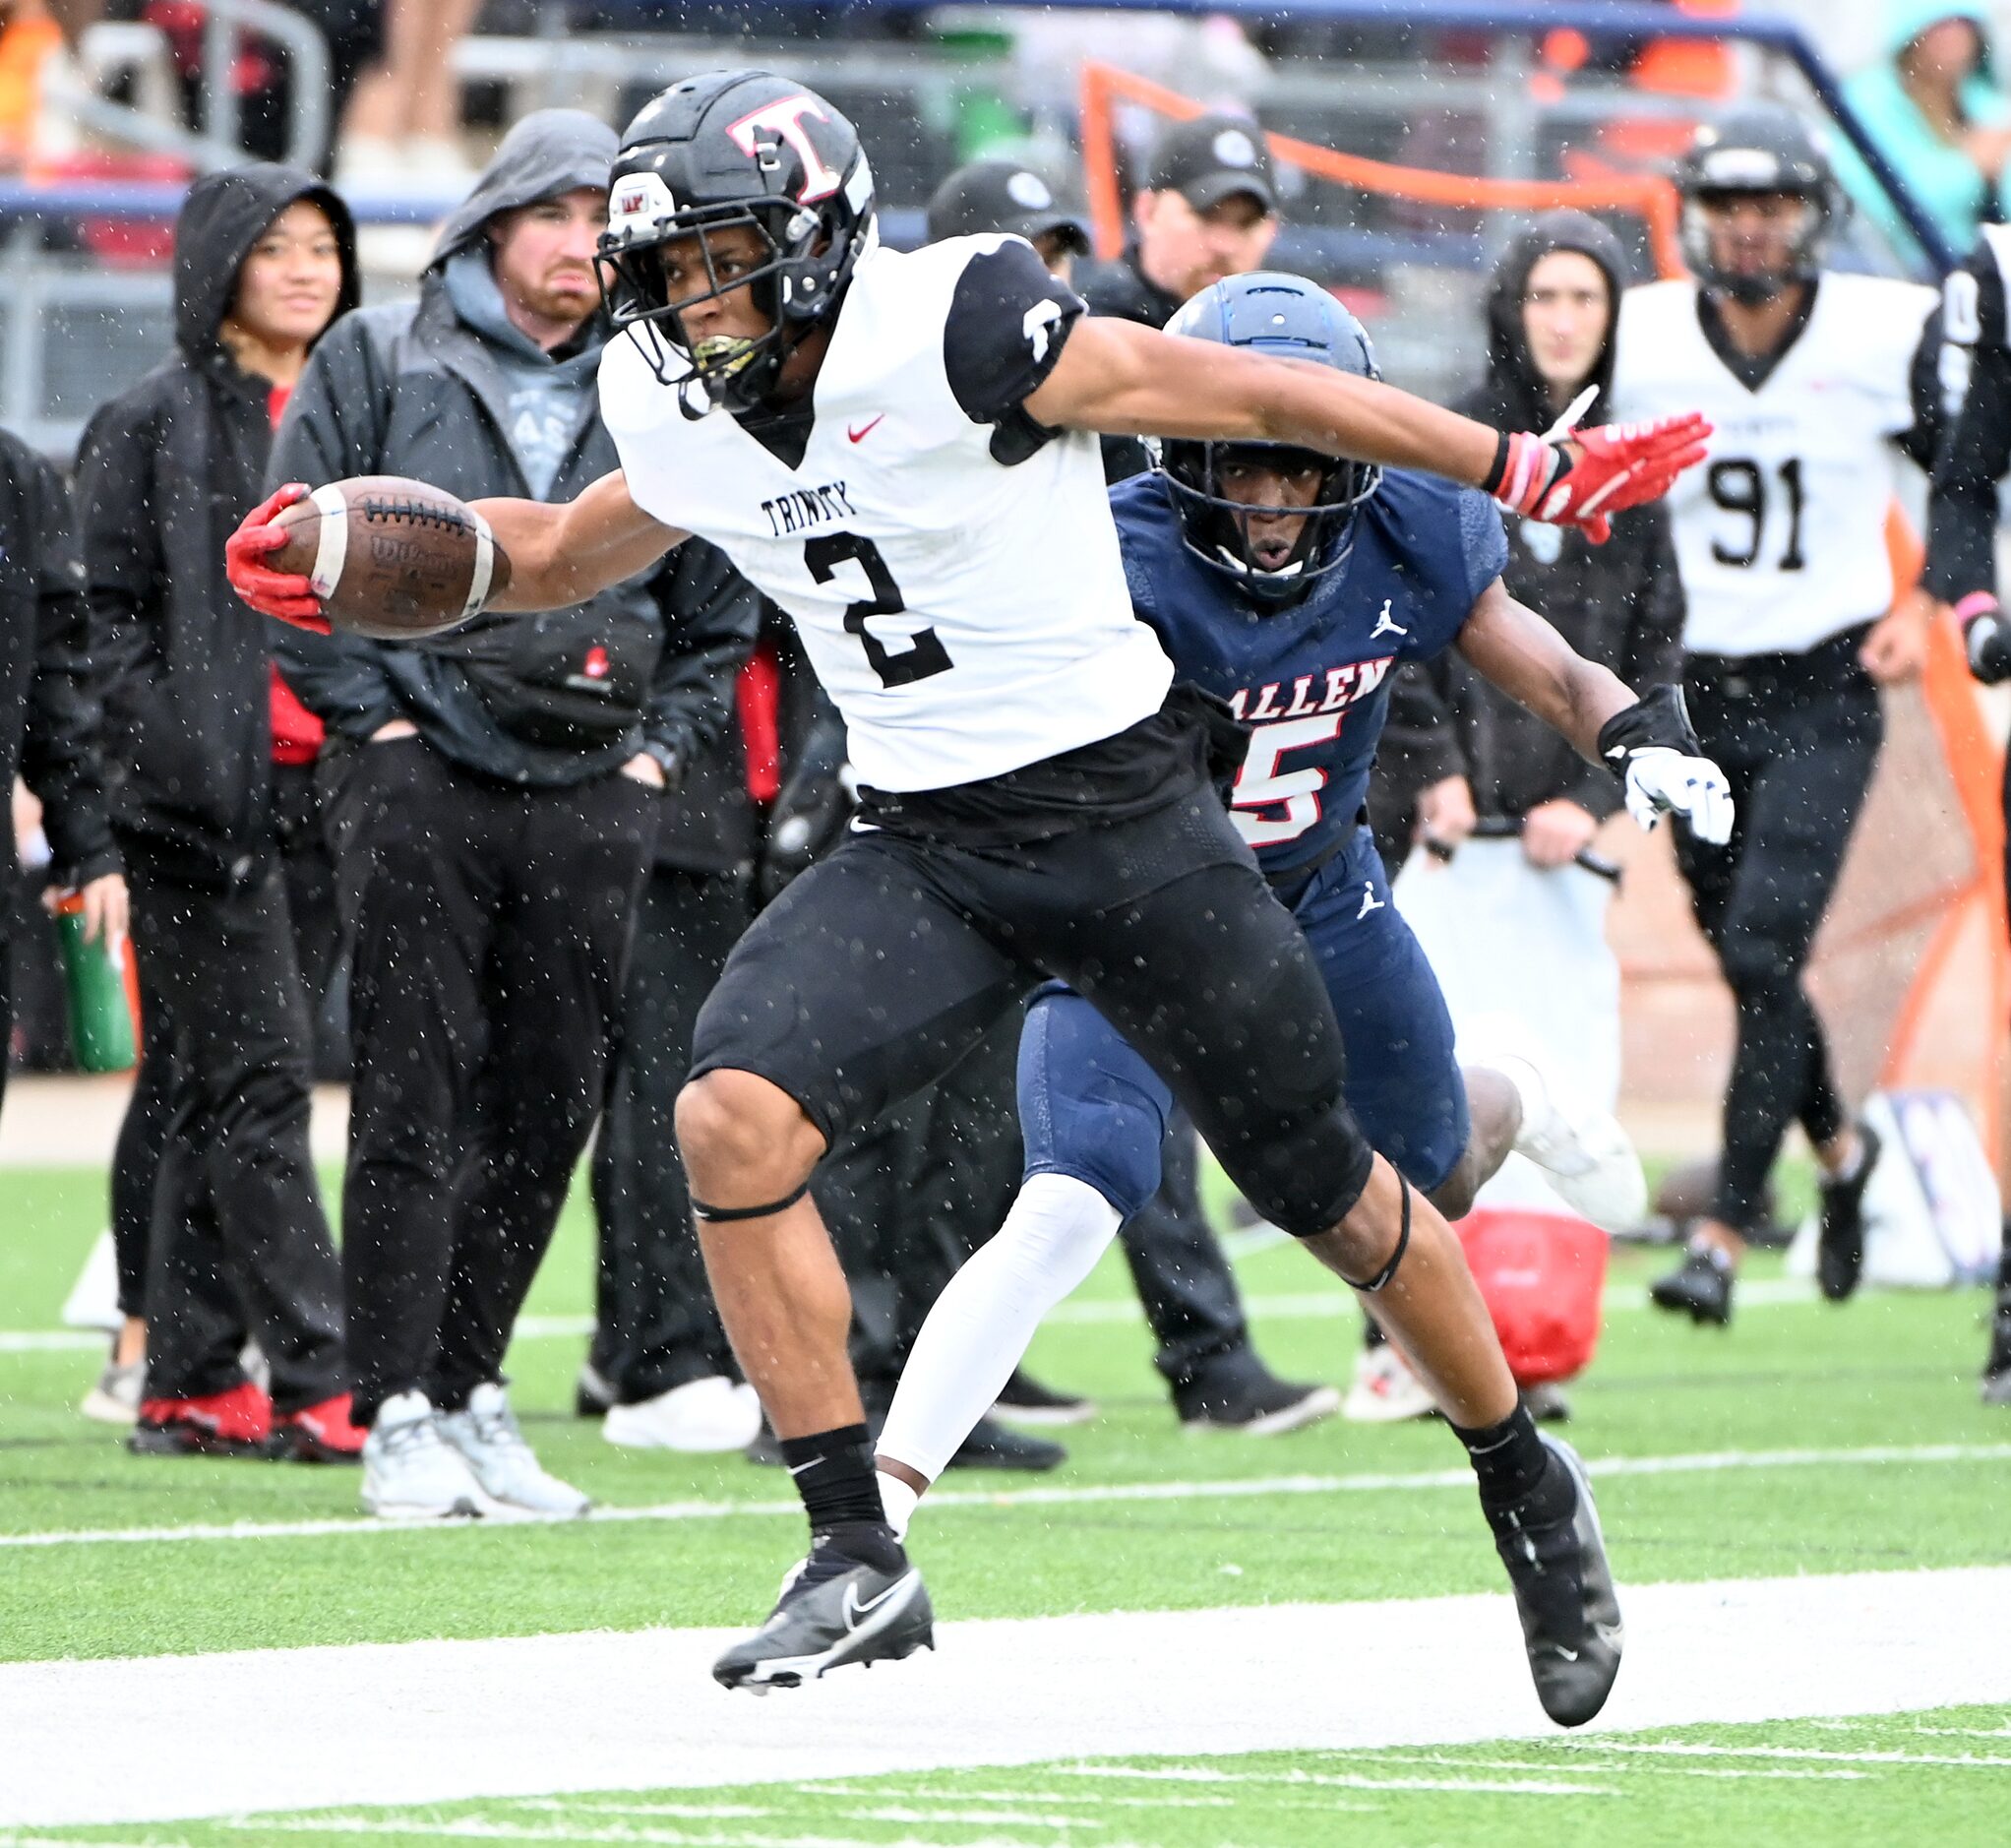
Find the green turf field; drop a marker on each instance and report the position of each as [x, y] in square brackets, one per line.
[1808, 1440]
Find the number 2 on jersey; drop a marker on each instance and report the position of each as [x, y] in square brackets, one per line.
[925, 653]
[1291, 797]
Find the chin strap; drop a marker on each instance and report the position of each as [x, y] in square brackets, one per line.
[726, 1215]
[1403, 1244]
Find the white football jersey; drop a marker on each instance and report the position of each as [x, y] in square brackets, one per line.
[1779, 531]
[968, 617]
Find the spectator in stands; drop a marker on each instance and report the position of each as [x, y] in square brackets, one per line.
[494, 819]
[230, 1230]
[402, 124]
[1936, 106]
[1208, 209]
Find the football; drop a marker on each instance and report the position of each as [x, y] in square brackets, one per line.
[391, 558]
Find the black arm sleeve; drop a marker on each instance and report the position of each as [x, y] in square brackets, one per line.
[333, 428]
[60, 756]
[1009, 321]
[712, 615]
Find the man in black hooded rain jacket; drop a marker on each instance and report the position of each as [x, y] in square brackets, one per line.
[230, 1227]
[1619, 603]
[498, 806]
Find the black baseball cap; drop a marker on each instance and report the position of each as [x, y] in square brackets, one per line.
[1211, 158]
[1004, 196]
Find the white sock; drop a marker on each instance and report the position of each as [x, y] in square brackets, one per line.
[899, 1501]
[982, 1323]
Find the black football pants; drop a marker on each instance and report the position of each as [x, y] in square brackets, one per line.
[492, 930]
[655, 1324]
[237, 1242]
[1797, 737]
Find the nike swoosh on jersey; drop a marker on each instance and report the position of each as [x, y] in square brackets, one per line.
[864, 430]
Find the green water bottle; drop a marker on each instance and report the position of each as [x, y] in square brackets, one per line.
[103, 988]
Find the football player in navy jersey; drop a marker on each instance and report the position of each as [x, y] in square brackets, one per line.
[899, 448]
[1290, 586]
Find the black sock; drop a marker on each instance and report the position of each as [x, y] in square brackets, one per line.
[1509, 1459]
[835, 1475]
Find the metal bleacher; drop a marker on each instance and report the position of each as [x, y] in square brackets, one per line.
[79, 321]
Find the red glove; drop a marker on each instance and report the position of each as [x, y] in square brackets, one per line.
[279, 594]
[1580, 479]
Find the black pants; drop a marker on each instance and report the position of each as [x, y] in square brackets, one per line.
[1797, 737]
[655, 1324]
[308, 872]
[886, 962]
[237, 1242]
[490, 948]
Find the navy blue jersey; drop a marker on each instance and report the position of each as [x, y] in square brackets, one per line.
[1313, 680]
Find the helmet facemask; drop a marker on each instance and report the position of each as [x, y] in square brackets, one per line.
[1218, 526]
[805, 261]
[1802, 259]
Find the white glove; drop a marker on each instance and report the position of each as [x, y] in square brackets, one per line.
[1662, 781]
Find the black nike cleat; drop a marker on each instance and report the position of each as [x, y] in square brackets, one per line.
[1840, 1242]
[833, 1610]
[1563, 1593]
[1699, 1287]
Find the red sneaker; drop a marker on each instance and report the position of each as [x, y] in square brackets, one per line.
[319, 1433]
[237, 1423]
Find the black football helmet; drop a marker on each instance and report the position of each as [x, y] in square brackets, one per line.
[1766, 149]
[1288, 318]
[734, 148]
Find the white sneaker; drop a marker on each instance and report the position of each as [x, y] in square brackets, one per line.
[1385, 1391]
[1582, 1150]
[410, 1471]
[487, 1436]
[701, 1415]
[115, 1398]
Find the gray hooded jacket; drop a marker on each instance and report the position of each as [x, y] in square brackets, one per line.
[448, 391]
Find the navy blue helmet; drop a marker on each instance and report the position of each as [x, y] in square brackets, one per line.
[1285, 317]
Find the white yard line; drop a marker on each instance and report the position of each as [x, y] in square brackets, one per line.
[437, 1721]
[1702, 1463]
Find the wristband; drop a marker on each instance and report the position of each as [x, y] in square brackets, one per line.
[1661, 721]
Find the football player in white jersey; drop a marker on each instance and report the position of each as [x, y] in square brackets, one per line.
[1962, 551]
[898, 449]
[1815, 383]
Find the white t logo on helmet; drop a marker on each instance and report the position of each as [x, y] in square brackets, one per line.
[762, 130]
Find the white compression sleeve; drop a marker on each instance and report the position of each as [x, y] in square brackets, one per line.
[982, 1323]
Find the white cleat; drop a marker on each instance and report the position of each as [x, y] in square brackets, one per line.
[487, 1437]
[115, 1398]
[1581, 1148]
[410, 1472]
[702, 1416]
[1385, 1391]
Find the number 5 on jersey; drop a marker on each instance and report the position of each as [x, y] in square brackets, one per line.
[925, 653]
[1291, 797]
